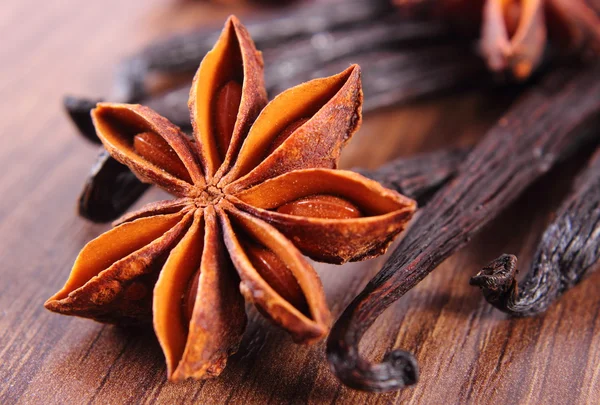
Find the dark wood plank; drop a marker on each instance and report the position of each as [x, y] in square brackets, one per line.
[468, 352]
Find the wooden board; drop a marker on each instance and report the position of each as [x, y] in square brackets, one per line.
[468, 352]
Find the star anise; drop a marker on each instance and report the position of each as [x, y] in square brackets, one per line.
[514, 33]
[257, 188]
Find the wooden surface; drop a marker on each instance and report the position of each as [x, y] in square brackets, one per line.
[468, 352]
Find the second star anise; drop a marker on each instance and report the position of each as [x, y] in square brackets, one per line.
[257, 188]
[514, 33]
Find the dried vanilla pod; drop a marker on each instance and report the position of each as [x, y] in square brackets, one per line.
[256, 189]
[78, 110]
[399, 76]
[552, 120]
[362, 26]
[394, 76]
[567, 252]
[300, 57]
[420, 176]
[181, 53]
[109, 191]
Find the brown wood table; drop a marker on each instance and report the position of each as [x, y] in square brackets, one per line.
[467, 351]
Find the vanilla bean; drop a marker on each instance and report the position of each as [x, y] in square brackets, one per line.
[396, 76]
[414, 58]
[390, 77]
[550, 121]
[421, 73]
[301, 57]
[418, 176]
[183, 53]
[569, 248]
[78, 110]
[173, 105]
[109, 191]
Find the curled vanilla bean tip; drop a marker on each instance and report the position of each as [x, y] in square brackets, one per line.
[548, 123]
[567, 252]
[397, 370]
[78, 110]
[497, 281]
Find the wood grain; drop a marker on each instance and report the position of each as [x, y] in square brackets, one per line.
[468, 352]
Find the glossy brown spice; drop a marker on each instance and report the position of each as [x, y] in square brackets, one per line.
[550, 121]
[186, 265]
[568, 251]
[109, 191]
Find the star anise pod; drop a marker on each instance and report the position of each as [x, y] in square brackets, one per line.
[257, 188]
[514, 33]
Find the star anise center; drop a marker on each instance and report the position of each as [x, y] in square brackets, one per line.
[210, 195]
